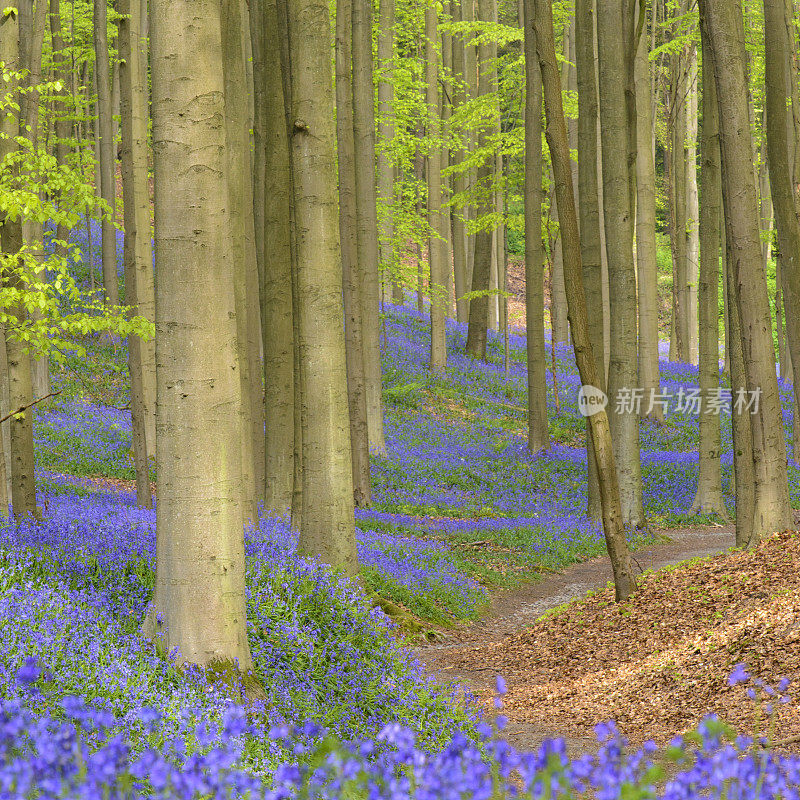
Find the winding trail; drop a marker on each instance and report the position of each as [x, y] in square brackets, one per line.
[515, 609]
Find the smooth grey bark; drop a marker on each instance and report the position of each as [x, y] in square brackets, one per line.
[540, 11]
[327, 527]
[275, 266]
[366, 216]
[646, 248]
[692, 206]
[461, 177]
[437, 251]
[385, 69]
[200, 512]
[724, 26]
[137, 248]
[106, 151]
[482, 252]
[592, 243]
[708, 498]
[61, 122]
[538, 431]
[618, 224]
[351, 287]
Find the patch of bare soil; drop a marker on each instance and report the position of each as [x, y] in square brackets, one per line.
[656, 664]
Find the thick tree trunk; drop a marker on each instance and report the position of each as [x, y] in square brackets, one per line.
[106, 151]
[708, 499]
[724, 26]
[540, 11]
[198, 602]
[366, 216]
[327, 527]
[538, 432]
[351, 289]
[437, 250]
[618, 223]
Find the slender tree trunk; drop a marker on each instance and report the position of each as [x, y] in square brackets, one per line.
[646, 248]
[366, 215]
[708, 499]
[540, 11]
[460, 179]
[538, 432]
[437, 255]
[618, 222]
[200, 514]
[106, 151]
[356, 389]
[240, 204]
[327, 527]
[134, 98]
[592, 245]
[386, 133]
[678, 211]
[61, 121]
[137, 248]
[724, 25]
[275, 272]
[482, 258]
[692, 208]
[780, 146]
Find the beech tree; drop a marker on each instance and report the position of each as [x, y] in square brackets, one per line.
[200, 513]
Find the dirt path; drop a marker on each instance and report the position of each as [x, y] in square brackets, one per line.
[515, 609]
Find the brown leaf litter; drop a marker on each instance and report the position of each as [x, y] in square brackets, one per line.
[659, 662]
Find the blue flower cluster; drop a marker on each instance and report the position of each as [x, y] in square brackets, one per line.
[75, 750]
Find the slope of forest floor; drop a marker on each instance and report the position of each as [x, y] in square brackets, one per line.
[656, 664]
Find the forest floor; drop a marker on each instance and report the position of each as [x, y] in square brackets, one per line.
[573, 658]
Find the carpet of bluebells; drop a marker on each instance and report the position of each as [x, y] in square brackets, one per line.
[89, 709]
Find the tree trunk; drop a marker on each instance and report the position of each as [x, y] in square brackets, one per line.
[245, 283]
[356, 389]
[780, 146]
[592, 245]
[708, 499]
[106, 151]
[61, 121]
[386, 133]
[275, 273]
[538, 432]
[646, 248]
[540, 11]
[327, 528]
[437, 255]
[618, 223]
[724, 25]
[482, 258]
[366, 213]
[198, 603]
[692, 208]
[137, 248]
[460, 179]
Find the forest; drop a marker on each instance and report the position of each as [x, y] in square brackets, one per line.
[397, 399]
